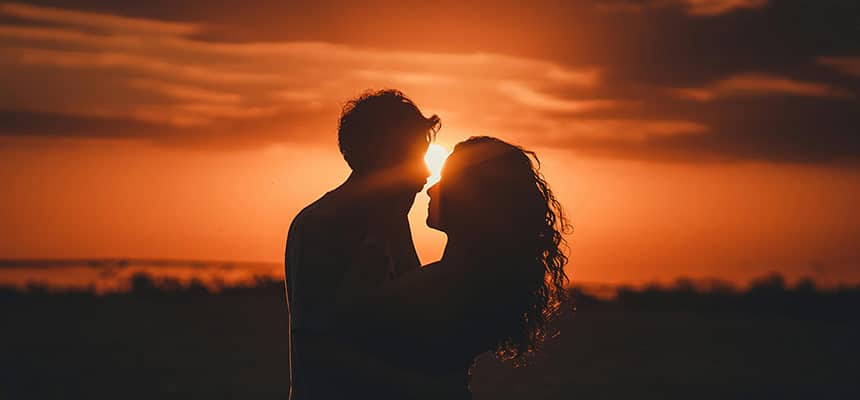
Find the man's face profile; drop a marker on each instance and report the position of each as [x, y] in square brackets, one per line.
[413, 171]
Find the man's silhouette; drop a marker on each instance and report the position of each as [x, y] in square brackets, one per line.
[383, 137]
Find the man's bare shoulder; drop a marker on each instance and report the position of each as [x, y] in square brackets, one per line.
[330, 215]
[311, 215]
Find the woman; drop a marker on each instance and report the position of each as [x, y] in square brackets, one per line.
[498, 284]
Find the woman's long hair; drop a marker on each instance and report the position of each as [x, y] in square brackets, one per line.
[535, 227]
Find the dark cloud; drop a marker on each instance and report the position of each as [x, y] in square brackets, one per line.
[668, 79]
[226, 133]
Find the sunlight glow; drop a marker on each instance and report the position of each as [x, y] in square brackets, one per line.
[435, 159]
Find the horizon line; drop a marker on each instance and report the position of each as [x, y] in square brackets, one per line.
[122, 262]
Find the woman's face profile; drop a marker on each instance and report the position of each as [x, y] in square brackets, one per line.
[483, 187]
[443, 195]
[453, 200]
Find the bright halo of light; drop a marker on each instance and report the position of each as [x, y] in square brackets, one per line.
[435, 159]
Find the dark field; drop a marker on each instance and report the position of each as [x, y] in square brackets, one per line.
[186, 342]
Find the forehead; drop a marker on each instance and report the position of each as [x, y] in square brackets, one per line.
[455, 162]
[406, 140]
[473, 155]
[416, 145]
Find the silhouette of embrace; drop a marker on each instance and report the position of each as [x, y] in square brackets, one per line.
[366, 320]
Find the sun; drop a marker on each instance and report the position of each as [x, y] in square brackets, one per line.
[435, 159]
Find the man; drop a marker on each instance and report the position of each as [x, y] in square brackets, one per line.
[383, 136]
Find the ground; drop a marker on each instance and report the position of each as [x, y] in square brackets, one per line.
[194, 344]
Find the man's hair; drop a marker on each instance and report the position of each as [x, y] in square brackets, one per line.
[378, 128]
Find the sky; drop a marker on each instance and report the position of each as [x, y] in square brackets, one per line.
[699, 138]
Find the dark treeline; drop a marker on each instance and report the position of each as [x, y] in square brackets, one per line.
[768, 294]
[161, 338]
[166, 339]
[148, 287]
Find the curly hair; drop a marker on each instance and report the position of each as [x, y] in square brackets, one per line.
[376, 126]
[541, 231]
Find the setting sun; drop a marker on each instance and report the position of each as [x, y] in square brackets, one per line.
[435, 159]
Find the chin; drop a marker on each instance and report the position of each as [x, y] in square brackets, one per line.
[433, 223]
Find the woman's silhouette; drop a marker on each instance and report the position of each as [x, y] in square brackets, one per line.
[499, 282]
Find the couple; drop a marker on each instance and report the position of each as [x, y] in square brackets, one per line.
[366, 320]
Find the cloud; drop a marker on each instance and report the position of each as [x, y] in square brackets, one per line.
[588, 134]
[846, 65]
[718, 7]
[633, 129]
[697, 8]
[156, 73]
[523, 94]
[196, 113]
[619, 7]
[112, 23]
[575, 76]
[756, 84]
[156, 65]
[185, 92]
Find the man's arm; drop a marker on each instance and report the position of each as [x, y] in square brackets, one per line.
[308, 258]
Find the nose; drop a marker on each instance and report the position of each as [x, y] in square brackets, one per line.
[419, 171]
[433, 190]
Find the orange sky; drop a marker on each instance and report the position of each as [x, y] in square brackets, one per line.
[704, 139]
[634, 221]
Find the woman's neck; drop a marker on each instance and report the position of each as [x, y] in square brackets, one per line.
[462, 247]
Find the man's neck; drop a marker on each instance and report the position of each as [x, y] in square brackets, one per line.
[376, 198]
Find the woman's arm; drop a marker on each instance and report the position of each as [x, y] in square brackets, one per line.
[435, 294]
[425, 305]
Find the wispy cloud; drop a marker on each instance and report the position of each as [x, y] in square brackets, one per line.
[574, 132]
[633, 129]
[756, 84]
[522, 93]
[718, 7]
[185, 92]
[697, 8]
[71, 72]
[96, 20]
[847, 65]
[141, 63]
[158, 73]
